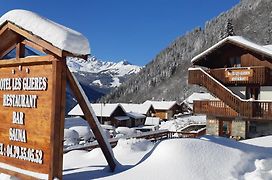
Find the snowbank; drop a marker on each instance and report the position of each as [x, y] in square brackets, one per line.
[127, 152]
[263, 170]
[133, 145]
[260, 141]
[56, 34]
[126, 131]
[84, 132]
[207, 158]
[177, 124]
[71, 137]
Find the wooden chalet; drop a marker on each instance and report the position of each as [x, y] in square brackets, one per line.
[165, 110]
[138, 112]
[136, 119]
[110, 114]
[237, 72]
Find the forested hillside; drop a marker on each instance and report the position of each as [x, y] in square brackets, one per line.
[165, 77]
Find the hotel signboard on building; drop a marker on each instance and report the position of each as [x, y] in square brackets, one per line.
[238, 74]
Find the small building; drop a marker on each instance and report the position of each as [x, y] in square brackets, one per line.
[188, 103]
[136, 119]
[237, 72]
[111, 114]
[165, 110]
[151, 124]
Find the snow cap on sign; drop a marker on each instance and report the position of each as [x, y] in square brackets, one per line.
[59, 36]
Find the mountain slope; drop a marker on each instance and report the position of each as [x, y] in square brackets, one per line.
[97, 77]
[165, 77]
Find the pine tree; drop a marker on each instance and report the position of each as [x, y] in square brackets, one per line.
[228, 30]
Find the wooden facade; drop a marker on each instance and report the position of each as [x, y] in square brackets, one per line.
[167, 114]
[232, 65]
[115, 122]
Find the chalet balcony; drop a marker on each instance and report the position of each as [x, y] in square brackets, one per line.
[243, 75]
[213, 108]
[230, 104]
[248, 109]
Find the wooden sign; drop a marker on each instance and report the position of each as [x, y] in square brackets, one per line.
[32, 107]
[28, 131]
[238, 74]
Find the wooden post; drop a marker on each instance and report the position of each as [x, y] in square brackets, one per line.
[58, 113]
[20, 49]
[91, 119]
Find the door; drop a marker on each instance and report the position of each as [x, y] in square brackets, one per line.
[225, 128]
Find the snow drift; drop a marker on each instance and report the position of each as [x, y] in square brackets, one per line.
[209, 158]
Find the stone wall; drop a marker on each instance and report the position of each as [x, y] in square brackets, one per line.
[212, 126]
[238, 128]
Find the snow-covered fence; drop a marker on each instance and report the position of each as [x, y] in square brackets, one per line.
[152, 136]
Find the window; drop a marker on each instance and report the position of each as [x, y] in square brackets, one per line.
[252, 128]
[235, 62]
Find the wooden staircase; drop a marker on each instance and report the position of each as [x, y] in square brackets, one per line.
[244, 108]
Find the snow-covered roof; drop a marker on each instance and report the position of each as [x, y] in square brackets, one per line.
[199, 96]
[104, 110]
[121, 118]
[135, 115]
[152, 121]
[75, 121]
[137, 108]
[238, 40]
[161, 105]
[59, 36]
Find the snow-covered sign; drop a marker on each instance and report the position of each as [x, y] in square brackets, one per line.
[59, 36]
[32, 96]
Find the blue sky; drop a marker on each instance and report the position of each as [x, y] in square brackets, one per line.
[134, 30]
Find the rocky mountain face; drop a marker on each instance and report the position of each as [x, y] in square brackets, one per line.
[165, 77]
[97, 77]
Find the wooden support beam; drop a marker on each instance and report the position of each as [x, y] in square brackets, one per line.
[34, 46]
[36, 39]
[91, 119]
[20, 50]
[6, 51]
[3, 29]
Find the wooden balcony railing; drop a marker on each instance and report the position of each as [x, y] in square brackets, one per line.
[256, 75]
[202, 78]
[216, 108]
[244, 108]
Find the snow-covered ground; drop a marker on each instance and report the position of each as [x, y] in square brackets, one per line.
[177, 124]
[208, 158]
[205, 158]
